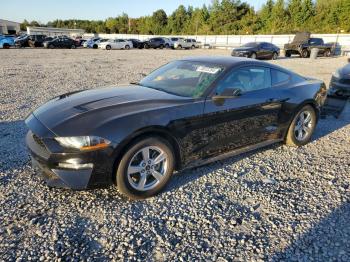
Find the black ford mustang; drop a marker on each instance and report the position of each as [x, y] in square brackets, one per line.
[187, 113]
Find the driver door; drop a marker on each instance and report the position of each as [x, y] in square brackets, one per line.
[246, 118]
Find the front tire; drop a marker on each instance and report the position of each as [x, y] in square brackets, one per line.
[127, 47]
[73, 47]
[253, 56]
[145, 168]
[302, 127]
[274, 56]
[108, 47]
[305, 53]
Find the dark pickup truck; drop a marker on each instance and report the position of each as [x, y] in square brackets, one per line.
[302, 45]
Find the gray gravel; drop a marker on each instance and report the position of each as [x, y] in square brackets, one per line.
[273, 204]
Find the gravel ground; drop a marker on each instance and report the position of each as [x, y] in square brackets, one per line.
[278, 203]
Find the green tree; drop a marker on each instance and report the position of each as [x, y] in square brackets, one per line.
[295, 8]
[111, 25]
[278, 22]
[265, 16]
[159, 21]
[177, 20]
[307, 11]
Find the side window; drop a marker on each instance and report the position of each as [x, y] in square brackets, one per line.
[246, 79]
[279, 77]
[315, 41]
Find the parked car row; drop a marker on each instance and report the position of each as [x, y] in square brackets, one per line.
[301, 45]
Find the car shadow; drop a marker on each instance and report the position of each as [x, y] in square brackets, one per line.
[183, 177]
[327, 240]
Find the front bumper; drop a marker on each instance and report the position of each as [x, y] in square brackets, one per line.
[339, 87]
[92, 168]
[240, 54]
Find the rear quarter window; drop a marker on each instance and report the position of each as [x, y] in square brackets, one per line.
[279, 77]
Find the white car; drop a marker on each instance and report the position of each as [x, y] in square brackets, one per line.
[115, 44]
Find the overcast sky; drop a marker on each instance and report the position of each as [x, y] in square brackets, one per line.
[48, 10]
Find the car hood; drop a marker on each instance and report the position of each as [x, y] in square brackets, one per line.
[64, 112]
[239, 49]
[301, 37]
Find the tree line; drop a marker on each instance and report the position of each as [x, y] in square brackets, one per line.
[225, 17]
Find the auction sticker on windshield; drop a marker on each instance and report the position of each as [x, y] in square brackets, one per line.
[209, 70]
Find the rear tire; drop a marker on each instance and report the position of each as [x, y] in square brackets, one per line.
[161, 46]
[51, 46]
[302, 127]
[73, 47]
[138, 174]
[328, 53]
[108, 47]
[6, 46]
[288, 54]
[127, 47]
[167, 46]
[179, 47]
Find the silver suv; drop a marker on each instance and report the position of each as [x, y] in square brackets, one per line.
[186, 43]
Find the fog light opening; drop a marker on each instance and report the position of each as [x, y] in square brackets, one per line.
[74, 163]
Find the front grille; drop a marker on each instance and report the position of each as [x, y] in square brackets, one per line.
[39, 141]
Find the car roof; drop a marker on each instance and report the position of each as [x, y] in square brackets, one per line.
[227, 61]
[230, 62]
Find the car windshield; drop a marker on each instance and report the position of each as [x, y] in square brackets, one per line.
[183, 78]
[252, 44]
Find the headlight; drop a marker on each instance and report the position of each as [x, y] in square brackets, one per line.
[83, 142]
[336, 74]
